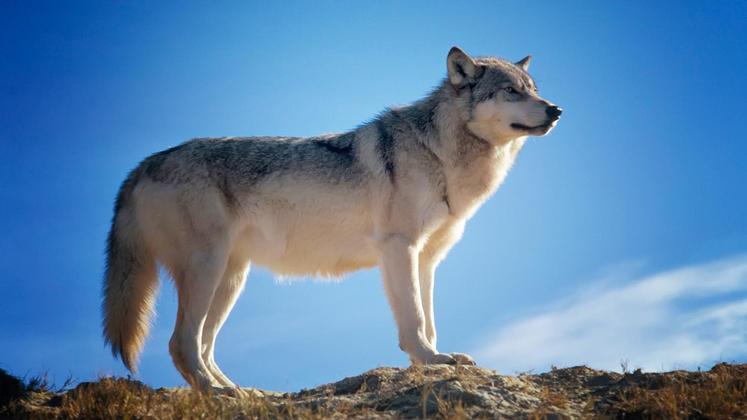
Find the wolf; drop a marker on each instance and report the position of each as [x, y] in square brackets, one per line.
[394, 192]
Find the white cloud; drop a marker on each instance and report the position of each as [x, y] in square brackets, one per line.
[683, 318]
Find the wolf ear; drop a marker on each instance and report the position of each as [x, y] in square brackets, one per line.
[524, 62]
[462, 68]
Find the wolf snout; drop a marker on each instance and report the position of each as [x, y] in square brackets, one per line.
[553, 111]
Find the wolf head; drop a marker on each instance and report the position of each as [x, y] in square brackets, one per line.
[501, 98]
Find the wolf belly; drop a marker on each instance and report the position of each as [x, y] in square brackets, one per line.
[324, 242]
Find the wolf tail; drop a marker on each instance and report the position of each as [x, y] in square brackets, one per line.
[130, 283]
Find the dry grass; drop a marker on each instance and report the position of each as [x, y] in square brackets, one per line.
[127, 399]
[720, 393]
[551, 402]
[420, 392]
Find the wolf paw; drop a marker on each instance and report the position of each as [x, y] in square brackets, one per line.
[441, 359]
[252, 392]
[463, 359]
[451, 359]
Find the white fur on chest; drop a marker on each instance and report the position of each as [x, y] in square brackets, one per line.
[468, 186]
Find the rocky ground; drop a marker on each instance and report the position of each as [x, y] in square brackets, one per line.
[431, 391]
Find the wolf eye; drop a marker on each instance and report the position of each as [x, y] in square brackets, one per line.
[510, 89]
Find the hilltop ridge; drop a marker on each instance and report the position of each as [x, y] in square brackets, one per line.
[415, 392]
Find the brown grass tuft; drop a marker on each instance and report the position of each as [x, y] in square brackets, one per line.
[720, 393]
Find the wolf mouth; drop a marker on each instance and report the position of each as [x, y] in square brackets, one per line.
[523, 127]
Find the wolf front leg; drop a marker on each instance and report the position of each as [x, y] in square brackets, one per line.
[426, 276]
[430, 256]
[399, 272]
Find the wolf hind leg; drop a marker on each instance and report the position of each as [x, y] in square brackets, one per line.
[196, 285]
[174, 348]
[224, 299]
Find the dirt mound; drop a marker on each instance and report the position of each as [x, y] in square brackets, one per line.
[416, 392]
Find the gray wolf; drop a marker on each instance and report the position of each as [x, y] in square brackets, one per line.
[395, 193]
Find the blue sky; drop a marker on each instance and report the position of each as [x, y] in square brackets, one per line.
[643, 179]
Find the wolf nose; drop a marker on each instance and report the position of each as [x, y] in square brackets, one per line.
[553, 111]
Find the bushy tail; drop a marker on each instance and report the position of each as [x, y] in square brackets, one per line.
[130, 284]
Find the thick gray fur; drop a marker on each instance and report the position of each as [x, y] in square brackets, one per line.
[239, 162]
